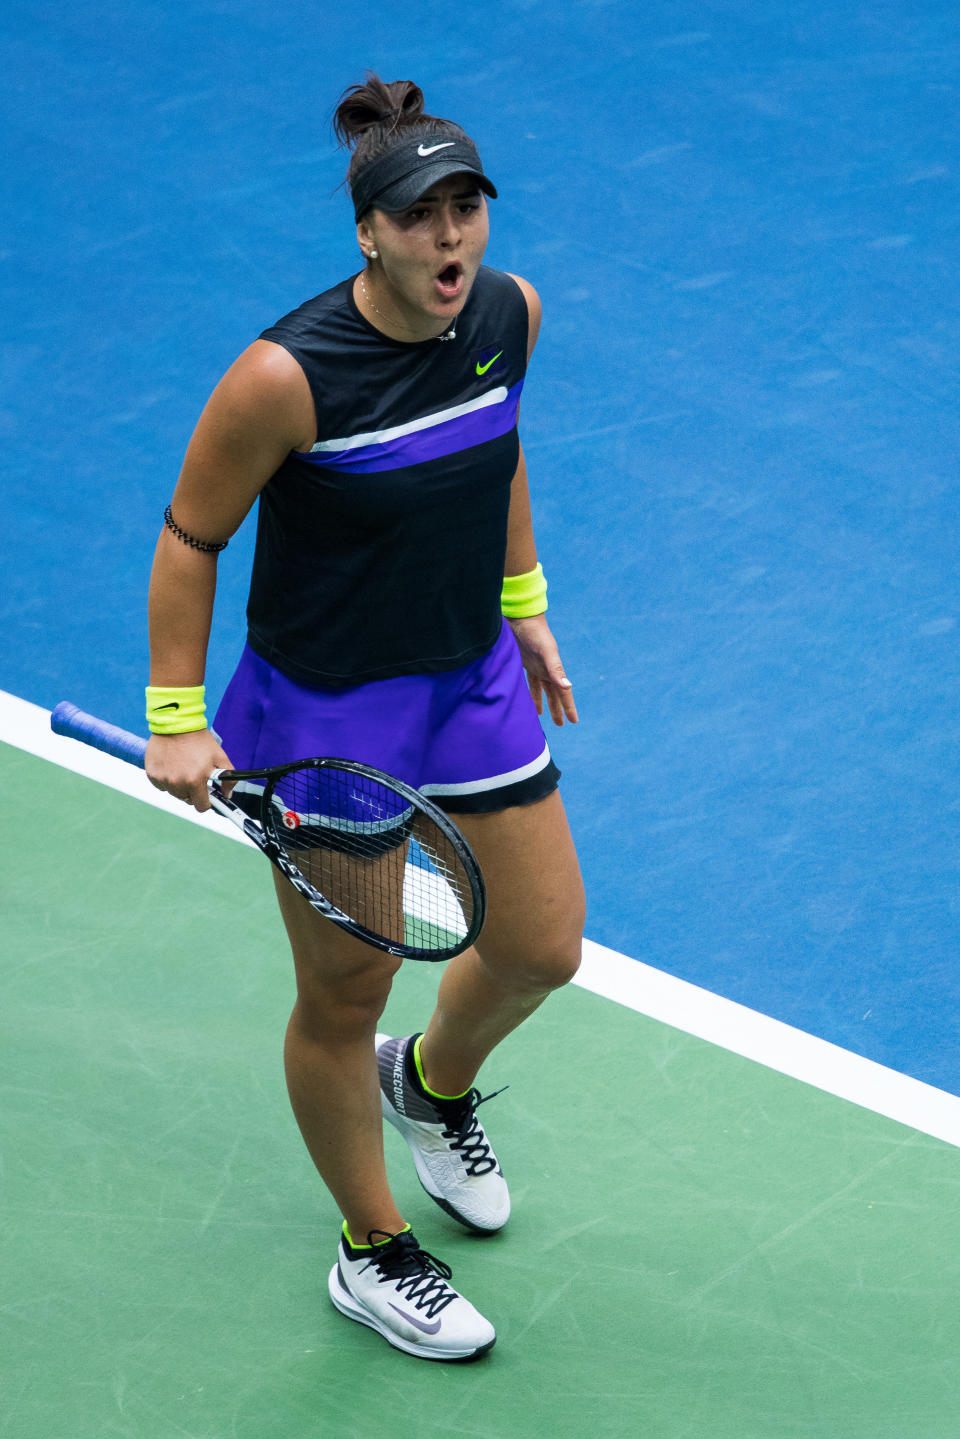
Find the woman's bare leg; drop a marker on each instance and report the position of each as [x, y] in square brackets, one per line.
[529, 946]
[342, 988]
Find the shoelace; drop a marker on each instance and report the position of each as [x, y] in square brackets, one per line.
[419, 1276]
[462, 1128]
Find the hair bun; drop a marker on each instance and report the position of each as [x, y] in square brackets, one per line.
[376, 105]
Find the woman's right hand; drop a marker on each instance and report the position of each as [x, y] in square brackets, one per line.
[181, 764]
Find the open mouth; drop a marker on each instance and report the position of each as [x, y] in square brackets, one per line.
[449, 282]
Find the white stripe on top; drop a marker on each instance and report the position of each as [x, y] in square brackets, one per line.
[427, 422]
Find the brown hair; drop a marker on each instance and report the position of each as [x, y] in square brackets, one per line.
[373, 117]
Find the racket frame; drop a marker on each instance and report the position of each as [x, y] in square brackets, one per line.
[67, 719]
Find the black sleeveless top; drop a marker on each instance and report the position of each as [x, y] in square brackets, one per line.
[380, 552]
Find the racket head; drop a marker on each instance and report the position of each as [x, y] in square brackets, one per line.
[395, 868]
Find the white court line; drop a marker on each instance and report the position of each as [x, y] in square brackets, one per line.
[627, 981]
[27, 727]
[770, 1042]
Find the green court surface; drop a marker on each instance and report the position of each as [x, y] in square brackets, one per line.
[700, 1247]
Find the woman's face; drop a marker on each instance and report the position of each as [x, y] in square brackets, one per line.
[429, 255]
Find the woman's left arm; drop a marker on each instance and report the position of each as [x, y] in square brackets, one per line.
[538, 649]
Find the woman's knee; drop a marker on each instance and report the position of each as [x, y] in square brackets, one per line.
[547, 962]
[343, 1003]
[553, 967]
[536, 903]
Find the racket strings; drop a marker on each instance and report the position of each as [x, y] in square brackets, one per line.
[372, 853]
[438, 884]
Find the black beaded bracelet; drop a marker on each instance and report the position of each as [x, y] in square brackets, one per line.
[205, 546]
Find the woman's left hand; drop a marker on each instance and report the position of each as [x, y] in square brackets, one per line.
[545, 673]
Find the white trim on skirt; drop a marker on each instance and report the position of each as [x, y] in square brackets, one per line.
[498, 781]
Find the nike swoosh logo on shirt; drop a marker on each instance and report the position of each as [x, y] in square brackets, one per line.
[482, 369]
[418, 1323]
[430, 149]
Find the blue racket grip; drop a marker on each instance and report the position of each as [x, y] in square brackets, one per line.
[67, 719]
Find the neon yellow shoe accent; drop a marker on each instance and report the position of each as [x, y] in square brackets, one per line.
[416, 1055]
[349, 1239]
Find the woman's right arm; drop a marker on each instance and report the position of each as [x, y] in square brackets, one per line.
[260, 411]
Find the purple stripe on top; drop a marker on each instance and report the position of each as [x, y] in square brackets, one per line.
[446, 438]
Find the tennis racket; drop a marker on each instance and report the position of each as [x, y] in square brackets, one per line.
[367, 851]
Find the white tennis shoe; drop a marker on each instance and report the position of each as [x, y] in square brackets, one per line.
[402, 1292]
[454, 1158]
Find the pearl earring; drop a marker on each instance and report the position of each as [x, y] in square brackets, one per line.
[372, 255]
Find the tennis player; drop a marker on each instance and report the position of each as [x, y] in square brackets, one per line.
[395, 603]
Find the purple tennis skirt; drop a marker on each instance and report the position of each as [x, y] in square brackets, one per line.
[470, 738]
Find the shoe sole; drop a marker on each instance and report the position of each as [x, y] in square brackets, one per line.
[343, 1300]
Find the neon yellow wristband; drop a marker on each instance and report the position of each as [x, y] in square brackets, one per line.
[176, 709]
[524, 595]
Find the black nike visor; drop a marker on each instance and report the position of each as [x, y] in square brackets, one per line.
[396, 179]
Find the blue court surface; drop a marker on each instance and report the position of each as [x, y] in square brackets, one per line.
[741, 423]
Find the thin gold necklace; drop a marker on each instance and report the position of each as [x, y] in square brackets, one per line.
[450, 334]
[366, 296]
